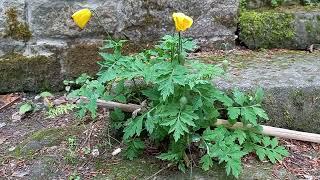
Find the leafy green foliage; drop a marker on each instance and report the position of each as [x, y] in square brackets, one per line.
[60, 110]
[134, 148]
[183, 106]
[45, 94]
[26, 107]
[117, 118]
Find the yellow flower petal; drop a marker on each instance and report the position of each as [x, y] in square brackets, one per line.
[82, 17]
[182, 21]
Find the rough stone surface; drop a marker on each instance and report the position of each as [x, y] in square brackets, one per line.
[136, 20]
[82, 58]
[256, 4]
[46, 167]
[307, 29]
[292, 86]
[5, 5]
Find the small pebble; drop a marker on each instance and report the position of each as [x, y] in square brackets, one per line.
[12, 149]
[95, 153]
[16, 117]
[2, 125]
[116, 151]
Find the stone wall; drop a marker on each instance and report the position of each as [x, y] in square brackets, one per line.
[44, 28]
[42, 31]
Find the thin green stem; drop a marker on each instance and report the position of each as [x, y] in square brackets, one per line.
[179, 48]
[100, 24]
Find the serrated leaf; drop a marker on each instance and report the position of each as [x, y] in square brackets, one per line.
[217, 134]
[281, 150]
[169, 156]
[206, 162]
[117, 115]
[197, 103]
[233, 113]
[134, 148]
[226, 100]
[271, 156]
[179, 122]
[178, 129]
[138, 144]
[239, 97]
[261, 153]
[259, 95]
[266, 141]
[149, 124]
[92, 107]
[152, 94]
[234, 167]
[249, 116]
[121, 99]
[133, 128]
[274, 143]
[240, 135]
[119, 87]
[261, 113]
[255, 138]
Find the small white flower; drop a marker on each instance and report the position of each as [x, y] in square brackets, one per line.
[95, 153]
[116, 151]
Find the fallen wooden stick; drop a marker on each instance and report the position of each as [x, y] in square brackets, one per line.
[267, 130]
[277, 132]
[103, 103]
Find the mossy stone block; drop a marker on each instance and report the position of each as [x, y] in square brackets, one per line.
[20, 73]
[82, 58]
[45, 138]
[266, 29]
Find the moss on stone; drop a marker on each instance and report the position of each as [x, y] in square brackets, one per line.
[21, 73]
[266, 29]
[82, 59]
[126, 169]
[16, 29]
[44, 138]
[313, 28]
[228, 21]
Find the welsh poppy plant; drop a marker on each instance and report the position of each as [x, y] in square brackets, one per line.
[82, 17]
[182, 21]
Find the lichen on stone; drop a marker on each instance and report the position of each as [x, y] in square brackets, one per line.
[15, 29]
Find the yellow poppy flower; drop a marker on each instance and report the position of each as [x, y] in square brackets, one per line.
[82, 17]
[182, 21]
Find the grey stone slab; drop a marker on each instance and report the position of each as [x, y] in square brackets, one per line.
[291, 83]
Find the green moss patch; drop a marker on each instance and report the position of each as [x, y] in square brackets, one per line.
[45, 138]
[20, 73]
[16, 29]
[125, 169]
[266, 29]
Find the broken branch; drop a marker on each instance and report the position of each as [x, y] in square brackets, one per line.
[267, 130]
